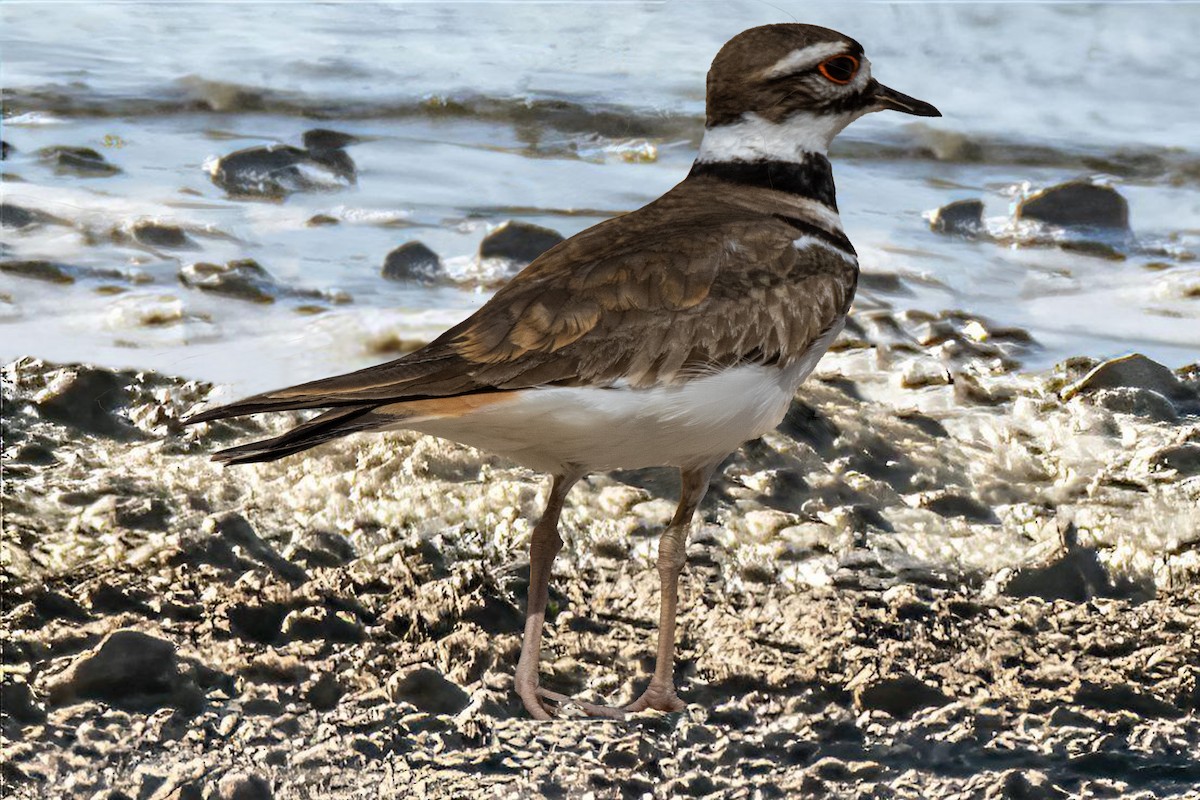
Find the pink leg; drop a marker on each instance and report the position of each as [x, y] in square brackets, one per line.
[672, 554]
[543, 547]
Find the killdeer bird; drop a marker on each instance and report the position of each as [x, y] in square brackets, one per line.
[665, 337]
[278, 170]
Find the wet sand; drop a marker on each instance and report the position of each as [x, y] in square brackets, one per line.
[926, 583]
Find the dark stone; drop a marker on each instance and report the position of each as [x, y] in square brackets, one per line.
[159, 235]
[1077, 575]
[951, 504]
[1124, 698]
[428, 690]
[38, 270]
[1032, 785]
[278, 170]
[325, 692]
[243, 786]
[82, 161]
[323, 140]
[87, 398]
[960, 218]
[244, 279]
[317, 220]
[1077, 204]
[899, 696]
[18, 701]
[6, 150]
[129, 670]
[322, 624]
[16, 217]
[1182, 458]
[259, 623]
[412, 261]
[517, 241]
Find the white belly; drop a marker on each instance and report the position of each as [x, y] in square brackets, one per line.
[598, 429]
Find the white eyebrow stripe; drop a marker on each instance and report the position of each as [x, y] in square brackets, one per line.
[804, 58]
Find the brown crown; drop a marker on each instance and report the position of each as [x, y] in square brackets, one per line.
[736, 83]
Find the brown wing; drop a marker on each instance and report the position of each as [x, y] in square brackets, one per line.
[628, 300]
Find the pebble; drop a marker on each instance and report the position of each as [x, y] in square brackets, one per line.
[38, 269]
[87, 399]
[899, 696]
[415, 262]
[960, 218]
[157, 234]
[1077, 205]
[519, 242]
[128, 669]
[277, 170]
[81, 161]
[243, 786]
[428, 690]
[244, 279]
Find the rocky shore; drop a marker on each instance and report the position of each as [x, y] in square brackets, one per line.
[941, 577]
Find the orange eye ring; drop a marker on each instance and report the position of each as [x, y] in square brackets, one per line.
[839, 69]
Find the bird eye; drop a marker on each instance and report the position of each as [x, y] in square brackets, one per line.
[839, 69]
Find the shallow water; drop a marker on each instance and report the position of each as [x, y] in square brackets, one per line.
[476, 113]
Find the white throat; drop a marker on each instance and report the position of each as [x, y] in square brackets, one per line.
[753, 138]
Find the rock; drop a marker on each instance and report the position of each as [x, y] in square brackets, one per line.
[235, 530]
[81, 161]
[243, 786]
[278, 170]
[955, 504]
[1124, 698]
[1183, 459]
[1029, 785]
[17, 700]
[519, 242]
[428, 690]
[317, 220]
[244, 279]
[899, 696]
[1076, 575]
[86, 399]
[39, 270]
[960, 218]
[325, 692]
[1077, 205]
[412, 261]
[1136, 371]
[919, 373]
[6, 150]
[17, 217]
[129, 669]
[328, 625]
[259, 623]
[157, 234]
[1138, 402]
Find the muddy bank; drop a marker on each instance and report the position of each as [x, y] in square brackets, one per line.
[924, 584]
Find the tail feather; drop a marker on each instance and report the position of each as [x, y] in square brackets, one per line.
[331, 425]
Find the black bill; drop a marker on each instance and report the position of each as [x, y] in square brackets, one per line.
[886, 98]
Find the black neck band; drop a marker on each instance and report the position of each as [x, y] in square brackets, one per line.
[811, 178]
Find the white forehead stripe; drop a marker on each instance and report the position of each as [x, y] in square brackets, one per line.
[804, 58]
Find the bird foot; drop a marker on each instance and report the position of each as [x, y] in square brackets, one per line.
[563, 701]
[655, 698]
[658, 698]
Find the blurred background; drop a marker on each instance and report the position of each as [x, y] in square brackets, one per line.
[119, 248]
